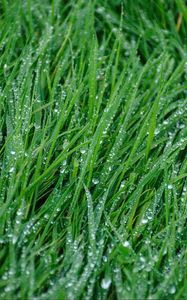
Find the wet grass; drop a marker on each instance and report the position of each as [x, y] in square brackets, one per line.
[93, 142]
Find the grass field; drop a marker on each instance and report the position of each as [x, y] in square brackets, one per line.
[93, 144]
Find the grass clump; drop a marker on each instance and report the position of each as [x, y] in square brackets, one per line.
[93, 142]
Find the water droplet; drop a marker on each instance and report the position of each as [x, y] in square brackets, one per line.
[142, 259]
[65, 144]
[105, 259]
[46, 216]
[64, 163]
[144, 221]
[122, 185]
[83, 151]
[105, 283]
[14, 239]
[12, 170]
[62, 171]
[100, 10]
[95, 181]
[170, 186]
[126, 244]
[172, 290]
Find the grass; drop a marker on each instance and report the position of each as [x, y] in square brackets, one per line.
[93, 143]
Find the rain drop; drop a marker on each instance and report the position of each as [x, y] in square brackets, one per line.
[105, 283]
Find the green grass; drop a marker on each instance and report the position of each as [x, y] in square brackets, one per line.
[93, 143]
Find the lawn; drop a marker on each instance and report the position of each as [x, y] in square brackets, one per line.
[93, 149]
